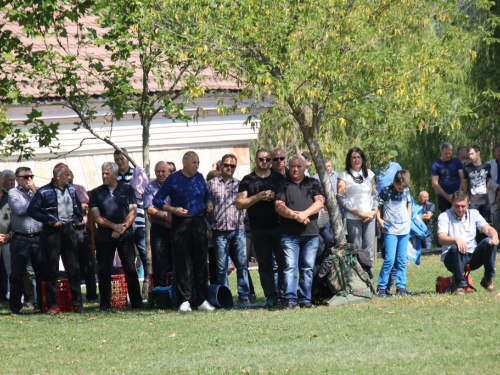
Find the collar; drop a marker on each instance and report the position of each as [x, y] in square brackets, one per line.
[456, 217]
[222, 180]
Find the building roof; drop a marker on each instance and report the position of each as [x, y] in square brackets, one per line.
[73, 45]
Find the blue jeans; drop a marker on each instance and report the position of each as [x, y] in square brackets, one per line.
[396, 249]
[140, 243]
[300, 254]
[233, 243]
[483, 255]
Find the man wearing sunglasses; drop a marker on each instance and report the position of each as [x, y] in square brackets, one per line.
[26, 240]
[278, 162]
[256, 194]
[228, 228]
[57, 206]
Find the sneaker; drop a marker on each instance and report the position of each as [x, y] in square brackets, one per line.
[205, 306]
[245, 301]
[185, 307]
[289, 305]
[487, 284]
[403, 292]
[388, 293]
[381, 293]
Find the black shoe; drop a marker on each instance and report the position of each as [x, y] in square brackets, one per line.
[252, 298]
[93, 300]
[79, 310]
[289, 305]
[245, 301]
[307, 305]
[403, 292]
[388, 293]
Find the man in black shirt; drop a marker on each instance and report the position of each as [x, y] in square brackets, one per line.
[476, 182]
[256, 194]
[298, 202]
[114, 208]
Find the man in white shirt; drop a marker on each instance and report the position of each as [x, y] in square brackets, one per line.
[457, 234]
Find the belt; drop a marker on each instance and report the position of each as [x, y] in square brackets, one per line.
[28, 235]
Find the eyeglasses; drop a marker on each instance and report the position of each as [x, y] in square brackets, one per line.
[265, 159]
[280, 159]
[32, 176]
[229, 165]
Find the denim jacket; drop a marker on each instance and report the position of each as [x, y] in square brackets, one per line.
[43, 206]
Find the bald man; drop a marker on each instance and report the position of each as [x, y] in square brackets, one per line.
[427, 212]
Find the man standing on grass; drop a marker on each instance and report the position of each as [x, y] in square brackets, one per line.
[26, 240]
[256, 194]
[298, 202]
[446, 176]
[228, 227]
[161, 227]
[190, 200]
[457, 233]
[137, 178]
[57, 206]
[476, 182]
[113, 207]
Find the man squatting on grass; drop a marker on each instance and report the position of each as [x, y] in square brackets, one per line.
[190, 200]
[457, 233]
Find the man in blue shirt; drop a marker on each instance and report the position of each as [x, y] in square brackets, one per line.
[446, 176]
[189, 201]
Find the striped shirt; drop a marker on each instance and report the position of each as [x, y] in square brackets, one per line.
[140, 221]
[225, 215]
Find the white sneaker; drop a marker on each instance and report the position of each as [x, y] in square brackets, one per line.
[206, 306]
[185, 307]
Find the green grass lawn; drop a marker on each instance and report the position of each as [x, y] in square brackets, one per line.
[424, 334]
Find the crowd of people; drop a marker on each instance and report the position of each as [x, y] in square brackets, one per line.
[278, 208]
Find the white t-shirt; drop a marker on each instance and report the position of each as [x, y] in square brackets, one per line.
[359, 191]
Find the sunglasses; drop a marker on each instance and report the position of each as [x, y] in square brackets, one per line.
[280, 159]
[265, 159]
[229, 165]
[32, 176]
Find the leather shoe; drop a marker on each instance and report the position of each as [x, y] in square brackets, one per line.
[487, 284]
[307, 305]
[51, 312]
[79, 310]
[288, 305]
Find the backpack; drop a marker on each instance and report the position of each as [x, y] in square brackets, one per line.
[347, 280]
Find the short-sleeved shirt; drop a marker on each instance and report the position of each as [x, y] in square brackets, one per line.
[385, 176]
[225, 216]
[448, 173]
[396, 209]
[464, 229]
[261, 215]
[113, 206]
[190, 193]
[149, 193]
[299, 197]
[478, 176]
[358, 191]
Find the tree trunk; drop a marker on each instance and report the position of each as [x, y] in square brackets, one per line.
[326, 183]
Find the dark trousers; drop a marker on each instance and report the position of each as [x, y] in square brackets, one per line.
[106, 254]
[4, 281]
[483, 255]
[161, 253]
[21, 250]
[61, 242]
[443, 204]
[190, 244]
[86, 261]
[267, 244]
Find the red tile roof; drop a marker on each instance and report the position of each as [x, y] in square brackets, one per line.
[92, 85]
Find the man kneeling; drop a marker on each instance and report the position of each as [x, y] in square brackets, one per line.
[457, 233]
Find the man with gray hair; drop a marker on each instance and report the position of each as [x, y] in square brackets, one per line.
[190, 200]
[298, 201]
[446, 176]
[9, 179]
[113, 207]
[57, 206]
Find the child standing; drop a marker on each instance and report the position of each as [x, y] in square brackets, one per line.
[396, 202]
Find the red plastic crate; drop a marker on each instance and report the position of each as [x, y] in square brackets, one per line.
[63, 297]
[119, 292]
[151, 283]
